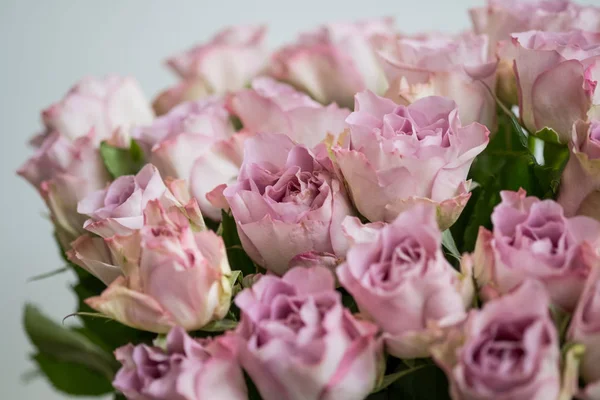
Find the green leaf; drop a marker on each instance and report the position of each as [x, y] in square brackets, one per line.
[506, 164]
[253, 393]
[48, 274]
[449, 244]
[548, 135]
[234, 277]
[389, 379]
[65, 345]
[238, 259]
[120, 161]
[425, 383]
[219, 326]
[72, 378]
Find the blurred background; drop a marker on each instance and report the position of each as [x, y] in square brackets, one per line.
[48, 45]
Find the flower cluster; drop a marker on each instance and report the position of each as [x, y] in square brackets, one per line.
[352, 215]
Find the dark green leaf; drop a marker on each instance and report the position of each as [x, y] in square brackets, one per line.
[253, 393]
[72, 378]
[506, 164]
[236, 122]
[389, 379]
[348, 300]
[238, 259]
[426, 383]
[120, 161]
[548, 135]
[66, 345]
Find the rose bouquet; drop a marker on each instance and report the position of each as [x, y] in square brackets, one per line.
[359, 214]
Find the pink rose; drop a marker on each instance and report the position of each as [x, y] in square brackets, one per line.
[227, 62]
[278, 108]
[452, 67]
[187, 90]
[556, 78]
[110, 257]
[64, 172]
[403, 272]
[500, 18]
[187, 369]
[507, 350]
[585, 329]
[580, 182]
[287, 201]
[93, 254]
[197, 142]
[335, 61]
[104, 104]
[181, 276]
[297, 341]
[533, 239]
[119, 208]
[403, 155]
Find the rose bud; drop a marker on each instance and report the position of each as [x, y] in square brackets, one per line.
[103, 104]
[109, 258]
[507, 350]
[118, 209]
[556, 77]
[64, 172]
[403, 155]
[188, 369]
[533, 239]
[197, 142]
[226, 63]
[297, 341]
[287, 201]
[580, 182]
[181, 280]
[270, 106]
[585, 329]
[335, 61]
[403, 272]
[450, 67]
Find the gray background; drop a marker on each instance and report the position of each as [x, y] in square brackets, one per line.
[47, 45]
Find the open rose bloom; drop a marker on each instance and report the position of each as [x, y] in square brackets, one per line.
[360, 213]
[335, 61]
[288, 200]
[297, 341]
[459, 68]
[402, 271]
[400, 156]
[225, 63]
[507, 350]
[534, 239]
[101, 104]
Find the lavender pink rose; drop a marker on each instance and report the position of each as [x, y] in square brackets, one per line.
[297, 341]
[404, 155]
